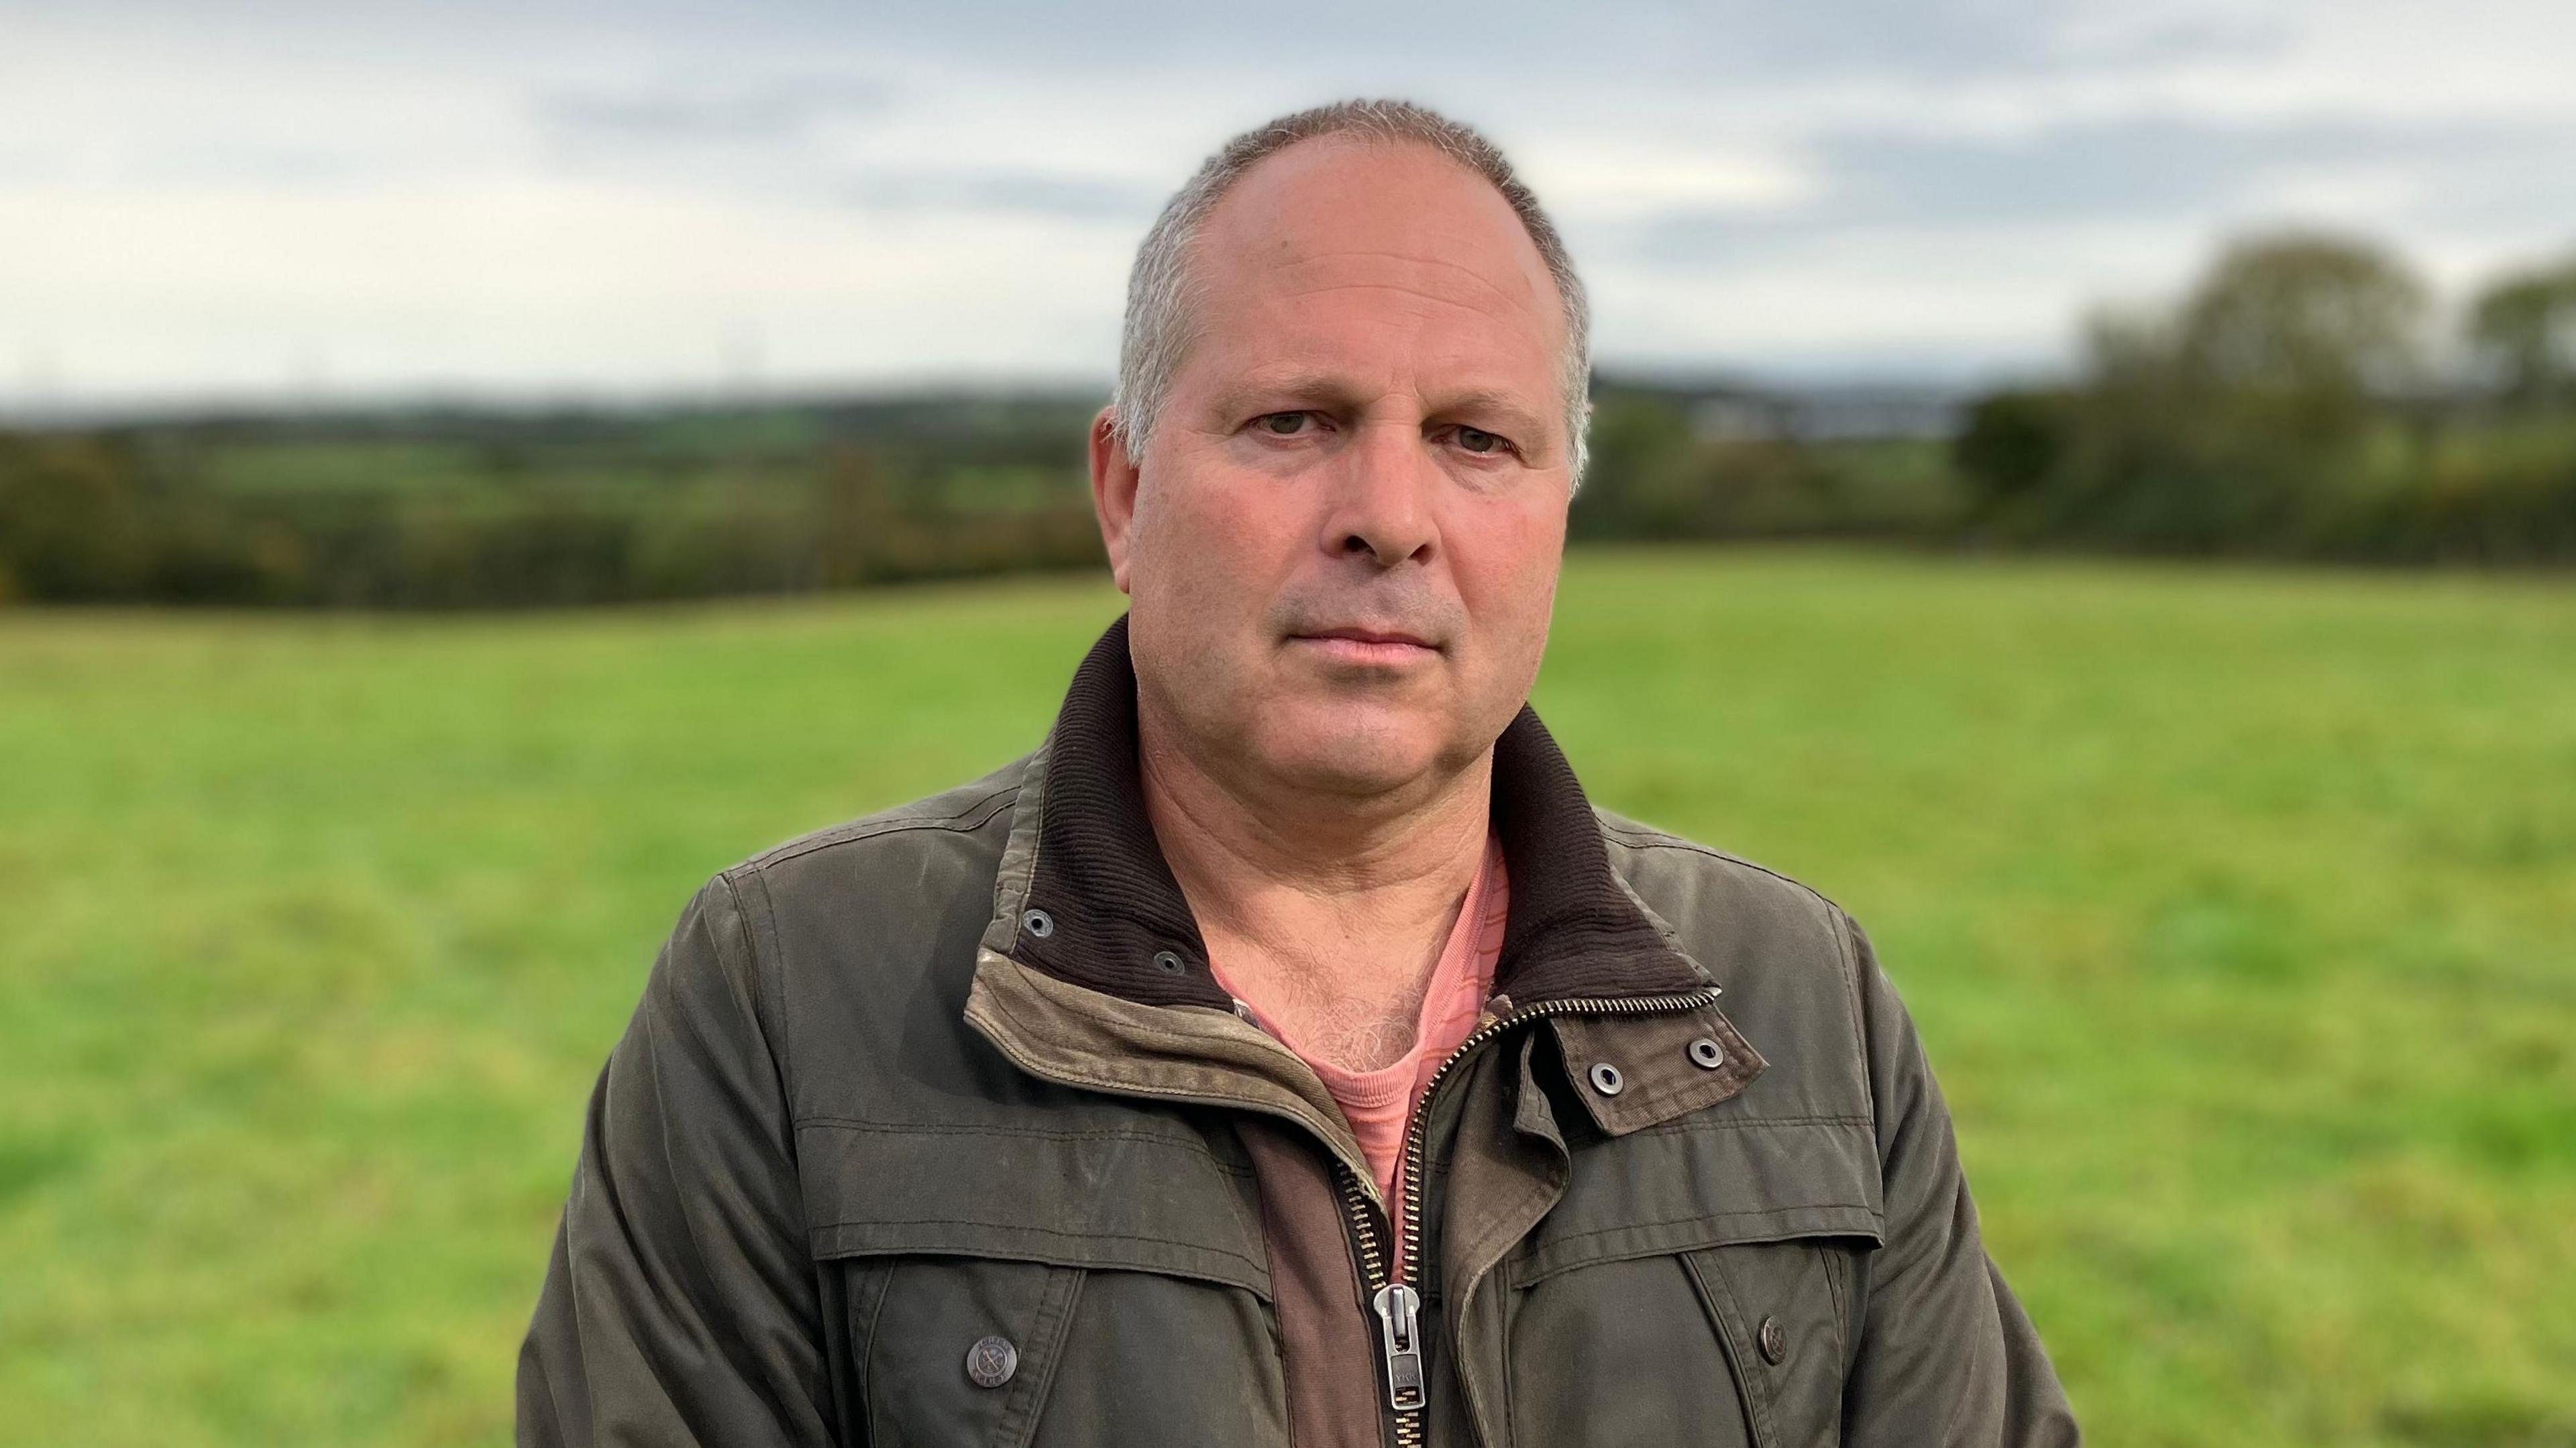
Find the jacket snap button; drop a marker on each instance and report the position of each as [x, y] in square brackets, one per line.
[1606, 1078]
[1706, 1052]
[1775, 1343]
[992, 1360]
[1038, 923]
[1168, 963]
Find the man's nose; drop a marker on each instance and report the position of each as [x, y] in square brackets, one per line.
[1382, 501]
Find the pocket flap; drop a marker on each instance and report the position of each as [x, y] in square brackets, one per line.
[1708, 1179]
[1142, 1197]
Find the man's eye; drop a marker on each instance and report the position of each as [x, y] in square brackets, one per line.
[1284, 424]
[1477, 440]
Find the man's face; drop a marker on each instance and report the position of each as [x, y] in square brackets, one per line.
[1343, 540]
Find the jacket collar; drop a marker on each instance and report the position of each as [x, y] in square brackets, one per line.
[1094, 903]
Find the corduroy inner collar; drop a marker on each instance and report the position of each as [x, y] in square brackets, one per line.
[1117, 921]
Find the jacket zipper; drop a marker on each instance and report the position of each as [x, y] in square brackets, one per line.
[1397, 1303]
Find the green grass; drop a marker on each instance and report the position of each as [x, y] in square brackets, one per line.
[2238, 907]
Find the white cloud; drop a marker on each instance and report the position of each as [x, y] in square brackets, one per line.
[196, 201]
[1606, 180]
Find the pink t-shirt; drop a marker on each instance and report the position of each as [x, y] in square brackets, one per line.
[1379, 1104]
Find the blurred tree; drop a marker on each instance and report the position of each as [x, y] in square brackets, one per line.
[2522, 330]
[2251, 414]
[855, 517]
[72, 525]
[2303, 329]
[2011, 442]
[1645, 479]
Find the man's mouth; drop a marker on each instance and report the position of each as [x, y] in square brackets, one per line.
[1368, 646]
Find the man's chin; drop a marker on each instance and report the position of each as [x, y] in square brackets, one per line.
[1353, 758]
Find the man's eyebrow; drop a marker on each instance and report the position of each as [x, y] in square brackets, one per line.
[1312, 387]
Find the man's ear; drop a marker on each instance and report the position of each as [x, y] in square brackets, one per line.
[1113, 490]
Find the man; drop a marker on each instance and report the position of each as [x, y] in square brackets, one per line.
[1286, 1052]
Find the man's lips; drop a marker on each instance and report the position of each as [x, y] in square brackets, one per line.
[1370, 636]
[1368, 645]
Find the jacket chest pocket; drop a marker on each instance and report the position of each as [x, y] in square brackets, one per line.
[1781, 1312]
[1030, 1287]
[955, 1350]
[1694, 1287]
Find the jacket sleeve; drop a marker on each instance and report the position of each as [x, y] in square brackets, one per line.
[1944, 1354]
[680, 1305]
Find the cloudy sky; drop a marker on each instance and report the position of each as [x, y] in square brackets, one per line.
[549, 199]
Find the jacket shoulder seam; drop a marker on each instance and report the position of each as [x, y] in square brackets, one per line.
[1640, 838]
[1847, 950]
[768, 993]
[965, 821]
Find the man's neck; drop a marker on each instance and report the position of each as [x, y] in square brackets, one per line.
[1328, 910]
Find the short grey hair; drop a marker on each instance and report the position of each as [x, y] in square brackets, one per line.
[1159, 326]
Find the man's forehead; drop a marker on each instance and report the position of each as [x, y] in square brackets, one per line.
[1295, 273]
[1255, 368]
[1336, 212]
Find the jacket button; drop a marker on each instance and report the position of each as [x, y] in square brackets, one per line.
[1708, 1053]
[1775, 1343]
[1606, 1078]
[992, 1360]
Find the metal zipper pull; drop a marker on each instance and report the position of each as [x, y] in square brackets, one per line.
[1395, 1305]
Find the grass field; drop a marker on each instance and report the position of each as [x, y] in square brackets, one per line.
[2238, 908]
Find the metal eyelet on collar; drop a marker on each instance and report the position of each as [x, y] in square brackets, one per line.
[1169, 963]
[1606, 1078]
[1038, 923]
[1707, 1053]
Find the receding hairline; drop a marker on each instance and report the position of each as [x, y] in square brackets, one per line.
[1540, 282]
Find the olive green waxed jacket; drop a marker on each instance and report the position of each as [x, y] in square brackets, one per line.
[933, 1128]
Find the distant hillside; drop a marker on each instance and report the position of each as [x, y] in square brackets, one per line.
[449, 507]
